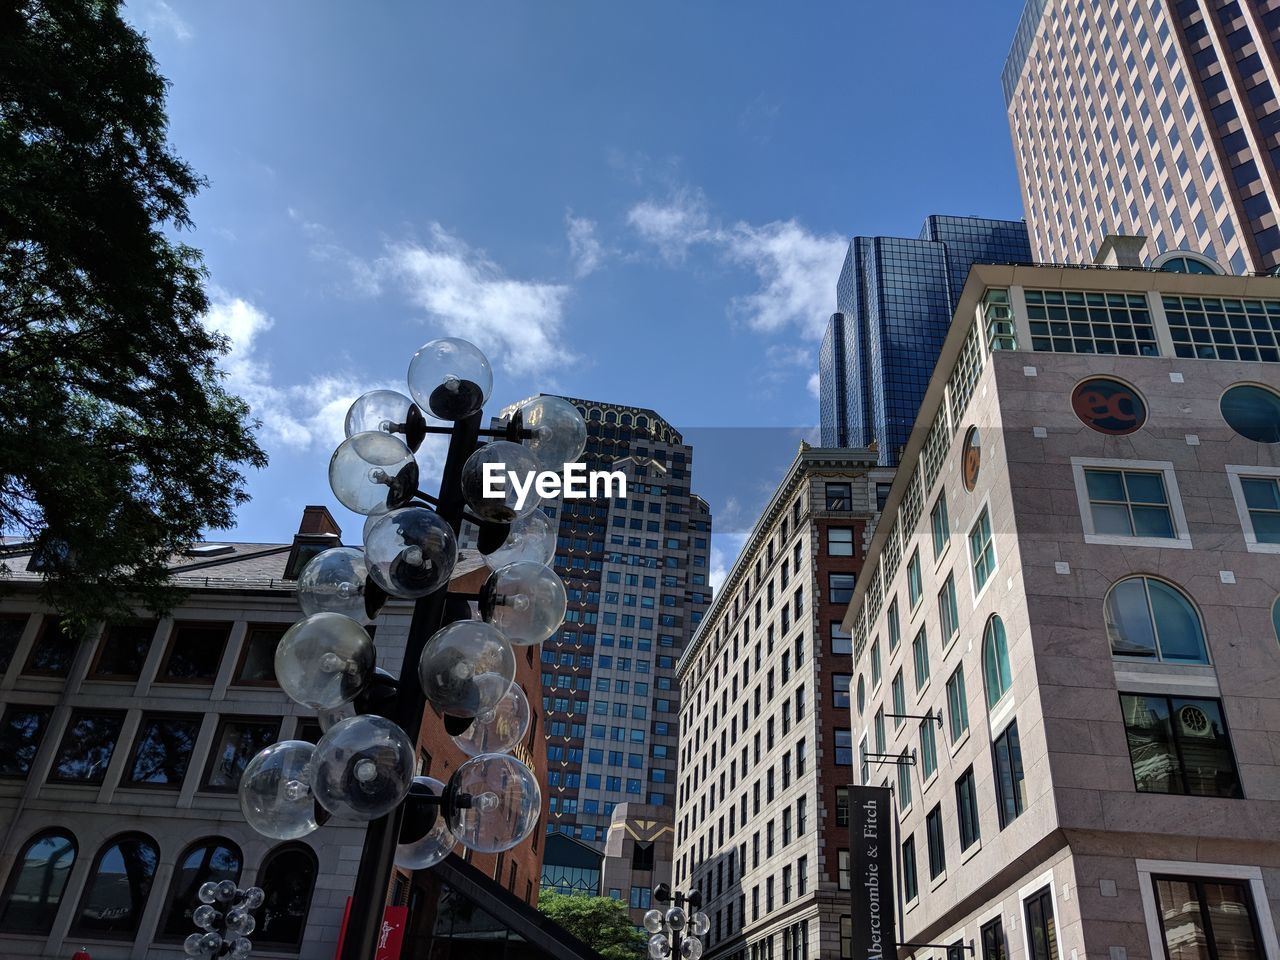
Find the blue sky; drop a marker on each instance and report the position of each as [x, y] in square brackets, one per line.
[640, 203]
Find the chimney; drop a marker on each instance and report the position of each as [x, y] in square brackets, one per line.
[1121, 251]
[318, 520]
[317, 533]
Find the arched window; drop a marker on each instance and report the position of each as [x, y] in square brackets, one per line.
[1275, 617]
[288, 876]
[610, 416]
[212, 858]
[118, 886]
[862, 695]
[36, 882]
[995, 661]
[1152, 619]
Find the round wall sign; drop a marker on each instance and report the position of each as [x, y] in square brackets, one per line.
[1109, 406]
[971, 458]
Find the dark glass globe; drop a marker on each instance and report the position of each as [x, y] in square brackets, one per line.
[411, 552]
[363, 768]
[466, 668]
[450, 378]
[372, 472]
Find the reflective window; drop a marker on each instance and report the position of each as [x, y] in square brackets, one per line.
[936, 842]
[195, 651]
[1072, 321]
[920, 658]
[123, 650]
[21, 730]
[915, 585]
[257, 666]
[1179, 745]
[993, 943]
[1129, 503]
[288, 876]
[982, 551]
[1011, 789]
[840, 541]
[1042, 935]
[910, 885]
[967, 809]
[1153, 619]
[235, 744]
[118, 886]
[162, 750]
[1262, 500]
[939, 524]
[87, 746]
[53, 651]
[1210, 328]
[1208, 918]
[210, 859]
[1253, 412]
[1275, 617]
[995, 661]
[957, 705]
[37, 881]
[948, 615]
[11, 627]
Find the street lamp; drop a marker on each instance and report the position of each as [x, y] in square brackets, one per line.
[363, 766]
[675, 933]
[225, 916]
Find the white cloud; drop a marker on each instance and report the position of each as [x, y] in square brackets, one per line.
[725, 548]
[814, 385]
[156, 15]
[796, 269]
[585, 248]
[518, 323]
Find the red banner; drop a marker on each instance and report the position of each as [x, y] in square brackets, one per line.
[390, 933]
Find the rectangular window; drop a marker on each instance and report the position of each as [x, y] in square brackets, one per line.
[839, 587]
[846, 939]
[237, 740]
[948, 615]
[839, 497]
[1209, 328]
[1179, 745]
[910, 885]
[1011, 791]
[840, 690]
[939, 524]
[957, 705]
[875, 664]
[842, 807]
[162, 750]
[1262, 501]
[123, 650]
[1075, 321]
[21, 731]
[993, 944]
[1042, 934]
[843, 867]
[195, 651]
[904, 781]
[844, 748]
[982, 551]
[257, 666]
[920, 658]
[928, 749]
[967, 810]
[1129, 503]
[53, 652]
[11, 628]
[87, 746]
[841, 640]
[840, 541]
[915, 585]
[1214, 918]
[937, 848]
[899, 691]
[894, 626]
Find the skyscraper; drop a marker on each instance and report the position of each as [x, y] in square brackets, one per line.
[895, 298]
[1148, 118]
[636, 570]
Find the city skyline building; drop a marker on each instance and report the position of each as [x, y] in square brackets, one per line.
[1152, 119]
[764, 736]
[1067, 635]
[894, 298]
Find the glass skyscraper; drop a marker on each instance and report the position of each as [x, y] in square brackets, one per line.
[1148, 118]
[895, 298]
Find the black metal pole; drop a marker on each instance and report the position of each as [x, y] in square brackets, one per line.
[378, 858]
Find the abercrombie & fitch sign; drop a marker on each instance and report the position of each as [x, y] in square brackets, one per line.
[872, 848]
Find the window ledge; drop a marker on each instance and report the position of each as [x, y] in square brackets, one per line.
[1116, 540]
[964, 738]
[1001, 711]
[1253, 546]
[971, 852]
[937, 881]
[930, 781]
[946, 551]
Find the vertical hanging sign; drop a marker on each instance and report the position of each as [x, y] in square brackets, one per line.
[871, 846]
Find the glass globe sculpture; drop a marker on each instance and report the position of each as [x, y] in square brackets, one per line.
[240, 948]
[500, 729]
[450, 378]
[411, 552]
[327, 718]
[333, 582]
[505, 803]
[532, 539]
[526, 601]
[659, 946]
[382, 411]
[676, 918]
[275, 795]
[254, 897]
[691, 948]
[205, 916]
[506, 456]
[653, 921]
[371, 472]
[466, 668]
[559, 432]
[699, 924]
[363, 768]
[325, 660]
[435, 845]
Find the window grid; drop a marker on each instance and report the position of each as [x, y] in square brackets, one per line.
[1214, 328]
[1078, 321]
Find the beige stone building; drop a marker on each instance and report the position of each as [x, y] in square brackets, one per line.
[1075, 578]
[765, 742]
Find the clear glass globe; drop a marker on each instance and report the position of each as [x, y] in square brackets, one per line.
[450, 378]
[369, 521]
[327, 718]
[653, 921]
[507, 456]
[659, 946]
[380, 411]
[240, 923]
[275, 791]
[559, 432]
[254, 897]
[466, 668]
[363, 768]
[411, 552]
[371, 472]
[699, 924]
[210, 944]
[227, 891]
[500, 729]
[324, 661]
[192, 945]
[208, 892]
[435, 845]
[506, 802]
[205, 916]
[532, 539]
[333, 582]
[240, 948]
[691, 948]
[526, 601]
[676, 918]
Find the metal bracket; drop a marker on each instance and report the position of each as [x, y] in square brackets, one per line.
[917, 716]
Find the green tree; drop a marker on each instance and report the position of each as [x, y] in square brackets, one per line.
[600, 922]
[118, 443]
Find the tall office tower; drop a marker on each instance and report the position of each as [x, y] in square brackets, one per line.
[1148, 118]
[765, 743]
[636, 572]
[895, 298]
[1066, 635]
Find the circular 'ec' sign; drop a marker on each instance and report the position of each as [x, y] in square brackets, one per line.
[1109, 406]
[971, 458]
